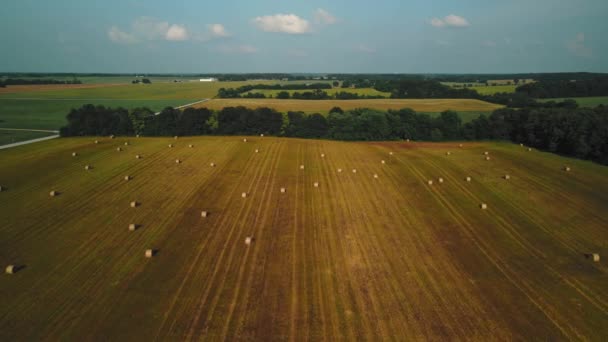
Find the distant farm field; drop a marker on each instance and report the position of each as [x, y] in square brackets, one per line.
[9, 137]
[583, 101]
[323, 106]
[482, 88]
[356, 258]
[332, 91]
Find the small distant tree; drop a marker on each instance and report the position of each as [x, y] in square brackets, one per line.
[335, 83]
[283, 95]
[146, 81]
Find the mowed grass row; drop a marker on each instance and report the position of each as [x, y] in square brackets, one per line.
[357, 257]
[324, 106]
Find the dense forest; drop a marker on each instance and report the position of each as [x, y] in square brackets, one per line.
[578, 132]
[556, 89]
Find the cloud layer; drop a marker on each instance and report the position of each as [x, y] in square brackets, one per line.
[451, 20]
[324, 17]
[578, 47]
[218, 30]
[284, 23]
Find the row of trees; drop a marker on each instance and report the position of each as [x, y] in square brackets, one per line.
[227, 93]
[36, 81]
[566, 88]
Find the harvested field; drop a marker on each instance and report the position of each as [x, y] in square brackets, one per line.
[357, 258]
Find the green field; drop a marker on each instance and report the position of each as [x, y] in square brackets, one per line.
[482, 88]
[9, 137]
[356, 258]
[583, 101]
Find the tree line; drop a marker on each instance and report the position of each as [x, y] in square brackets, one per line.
[35, 81]
[565, 88]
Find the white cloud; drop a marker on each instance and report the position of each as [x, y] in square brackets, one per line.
[578, 47]
[118, 36]
[218, 30]
[365, 48]
[324, 17]
[285, 23]
[148, 28]
[176, 33]
[451, 20]
[237, 49]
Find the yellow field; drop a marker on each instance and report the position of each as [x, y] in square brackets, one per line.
[356, 258]
[323, 106]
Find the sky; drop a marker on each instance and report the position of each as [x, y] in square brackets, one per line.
[338, 36]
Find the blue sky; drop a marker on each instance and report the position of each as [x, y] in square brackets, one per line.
[442, 36]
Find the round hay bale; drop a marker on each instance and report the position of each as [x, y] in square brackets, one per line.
[430, 182]
[126, 143]
[10, 269]
[175, 137]
[506, 177]
[137, 135]
[212, 164]
[177, 161]
[316, 184]
[283, 190]
[440, 180]
[74, 154]
[596, 257]
[390, 153]
[486, 153]
[262, 135]
[127, 178]
[190, 145]
[204, 213]
[137, 156]
[483, 206]
[244, 194]
[354, 170]
[87, 167]
[118, 149]
[322, 155]
[468, 179]
[383, 162]
[339, 170]
[375, 175]
[522, 145]
[245, 140]
[256, 150]
[96, 141]
[301, 167]
[448, 153]
[149, 253]
[567, 168]
[132, 227]
[134, 204]
[53, 193]
[248, 240]
[460, 145]
[407, 140]
[487, 157]
[529, 149]
[170, 145]
[112, 136]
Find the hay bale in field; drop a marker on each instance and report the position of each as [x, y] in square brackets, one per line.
[175, 137]
[137, 135]
[177, 161]
[487, 157]
[506, 177]
[112, 136]
[407, 140]
[149, 253]
[483, 206]
[460, 145]
[10, 269]
[256, 150]
[262, 135]
[134, 204]
[190, 145]
[596, 257]
[486, 153]
[390, 153]
[354, 170]
[137, 156]
[248, 240]
[339, 170]
[87, 167]
[283, 190]
[170, 145]
[126, 143]
[244, 194]
[529, 149]
[204, 213]
[322, 155]
[440, 180]
[301, 167]
[212, 164]
[96, 141]
[448, 153]
[53, 193]
[430, 182]
[468, 179]
[132, 227]
[383, 162]
[316, 184]
[244, 139]
[127, 178]
[118, 149]
[74, 154]
[567, 168]
[522, 145]
[375, 175]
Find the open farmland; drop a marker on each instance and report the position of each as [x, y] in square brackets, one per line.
[355, 258]
[323, 106]
[331, 92]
